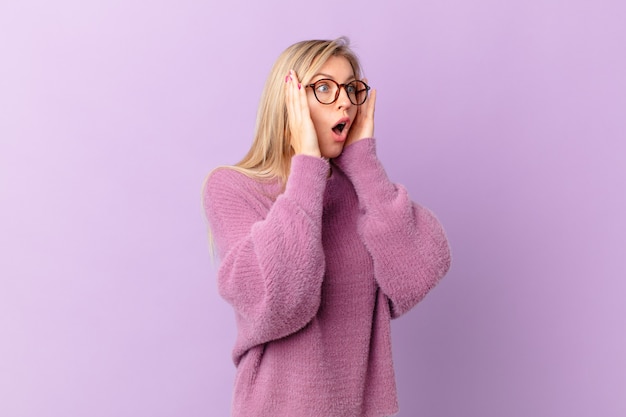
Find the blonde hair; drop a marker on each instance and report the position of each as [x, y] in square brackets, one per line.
[270, 154]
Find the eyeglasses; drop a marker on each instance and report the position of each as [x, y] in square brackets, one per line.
[327, 91]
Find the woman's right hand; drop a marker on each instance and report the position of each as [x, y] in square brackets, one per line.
[303, 136]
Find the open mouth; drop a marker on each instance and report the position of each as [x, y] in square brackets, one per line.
[339, 127]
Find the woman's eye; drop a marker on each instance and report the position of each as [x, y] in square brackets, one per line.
[351, 89]
[323, 88]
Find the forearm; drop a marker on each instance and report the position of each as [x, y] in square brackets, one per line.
[272, 259]
[407, 243]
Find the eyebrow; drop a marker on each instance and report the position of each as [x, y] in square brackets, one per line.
[321, 74]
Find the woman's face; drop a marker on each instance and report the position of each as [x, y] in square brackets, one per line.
[332, 121]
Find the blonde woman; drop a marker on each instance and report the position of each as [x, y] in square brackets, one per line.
[318, 249]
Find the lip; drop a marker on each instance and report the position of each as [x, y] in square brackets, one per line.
[344, 134]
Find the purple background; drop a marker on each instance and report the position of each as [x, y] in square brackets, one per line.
[508, 119]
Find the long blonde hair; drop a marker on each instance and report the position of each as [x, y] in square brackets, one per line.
[271, 152]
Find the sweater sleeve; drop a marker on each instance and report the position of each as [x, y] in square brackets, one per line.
[272, 260]
[407, 243]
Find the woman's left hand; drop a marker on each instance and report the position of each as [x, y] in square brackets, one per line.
[363, 125]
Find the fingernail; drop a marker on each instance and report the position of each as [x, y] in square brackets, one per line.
[299, 86]
[288, 78]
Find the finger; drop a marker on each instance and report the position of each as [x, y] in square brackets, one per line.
[291, 107]
[296, 80]
[298, 115]
[292, 96]
[295, 90]
[304, 102]
[371, 104]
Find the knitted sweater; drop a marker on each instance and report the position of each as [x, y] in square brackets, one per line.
[314, 273]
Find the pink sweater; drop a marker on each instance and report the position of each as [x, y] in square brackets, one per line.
[314, 275]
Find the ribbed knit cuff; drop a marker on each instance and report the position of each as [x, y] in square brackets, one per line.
[360, 163]
[307, 182]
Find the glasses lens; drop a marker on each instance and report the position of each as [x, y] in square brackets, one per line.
[357, 92]
[325, 91]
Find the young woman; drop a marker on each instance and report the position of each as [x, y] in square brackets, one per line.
[318, 249]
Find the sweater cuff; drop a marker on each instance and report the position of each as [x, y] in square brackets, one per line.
[360, 163]
[307, 182]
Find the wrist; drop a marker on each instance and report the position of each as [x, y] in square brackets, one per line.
[311, 152]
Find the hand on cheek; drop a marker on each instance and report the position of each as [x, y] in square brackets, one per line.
[363, 125]
[303, 136]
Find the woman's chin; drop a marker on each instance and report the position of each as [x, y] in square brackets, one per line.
[332, 154]
[333, 151]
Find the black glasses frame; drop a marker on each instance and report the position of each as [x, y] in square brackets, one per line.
[339, 87]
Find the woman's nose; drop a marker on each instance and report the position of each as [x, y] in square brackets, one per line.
[343, 100]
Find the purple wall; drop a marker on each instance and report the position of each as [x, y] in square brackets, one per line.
[508, 119]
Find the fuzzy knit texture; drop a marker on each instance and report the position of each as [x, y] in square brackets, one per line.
[315, 272]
